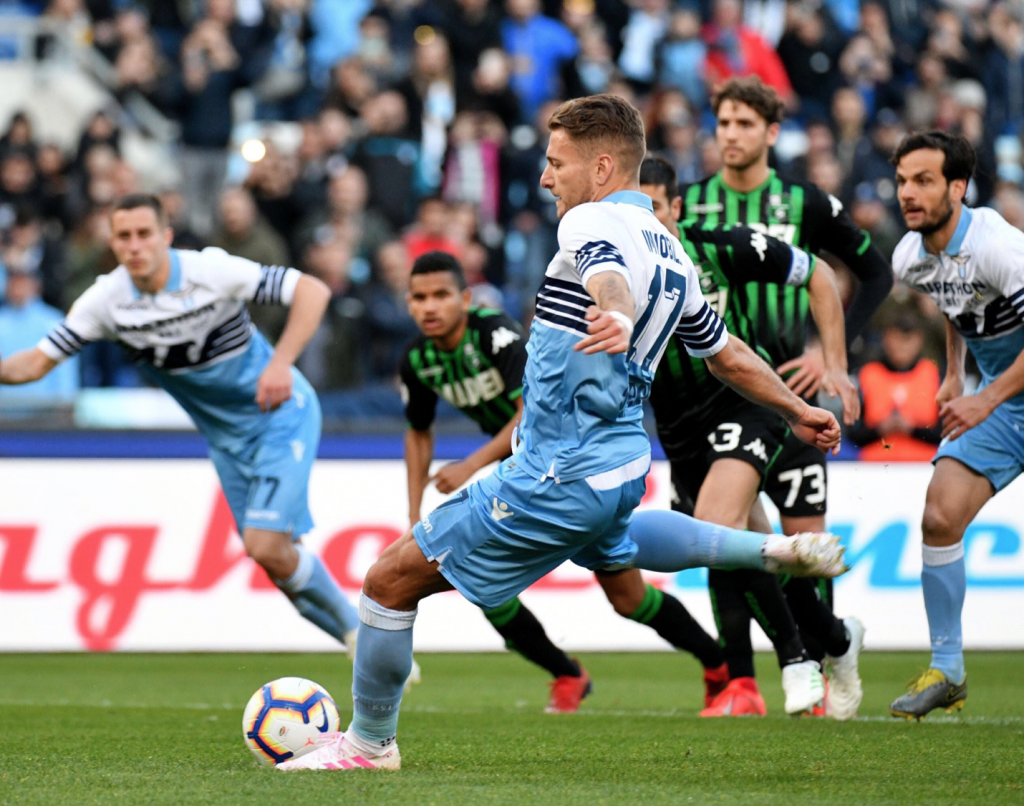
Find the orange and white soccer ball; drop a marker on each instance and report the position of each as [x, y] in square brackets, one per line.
[285, 718]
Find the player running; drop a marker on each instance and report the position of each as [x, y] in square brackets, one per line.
[746, 191]
[612, 296]
[971, 262]
[181, 316]
[721, 446]
[475, 358]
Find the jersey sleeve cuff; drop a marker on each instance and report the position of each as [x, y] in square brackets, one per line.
[601, 268]
[716, 343]
[288, 285]
[51, 350]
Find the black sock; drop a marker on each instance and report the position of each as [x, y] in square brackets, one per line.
[667, 616]
[733, 620]
[767, 604]
[822, 632]
[525, 635]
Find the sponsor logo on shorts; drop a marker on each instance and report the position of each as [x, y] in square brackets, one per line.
[263, 514]
[757, 448]
[500, 510]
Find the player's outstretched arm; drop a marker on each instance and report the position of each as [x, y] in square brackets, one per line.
[740, 367]
[452, 476]
[419, 450]
[827, 310]
[611, 320]
[25, 367]
[274, 386]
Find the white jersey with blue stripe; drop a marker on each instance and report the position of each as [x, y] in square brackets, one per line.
[582, 413]
[193, 337]
[978, 283]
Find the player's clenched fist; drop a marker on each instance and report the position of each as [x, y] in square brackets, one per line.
[609, 332]
[274, 386]
[819, 428]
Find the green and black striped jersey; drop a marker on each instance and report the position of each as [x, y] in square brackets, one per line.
[684, 391]
[803, 215]
[481, 377]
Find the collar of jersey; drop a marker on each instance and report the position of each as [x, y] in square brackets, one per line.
[745, 193]
[953, 247]
[173, 279]
[631, 197]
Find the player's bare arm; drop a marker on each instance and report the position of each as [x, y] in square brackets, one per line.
[827, 310]
[452, 476]
[956, 353]
[419, 450]
[274, 386]
[25, 366]
[960, 414]
[611, 319]
[740, 367]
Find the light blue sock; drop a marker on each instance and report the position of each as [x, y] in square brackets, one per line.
[317, 596]
[383, 662]
[944, 582]
[672, 541]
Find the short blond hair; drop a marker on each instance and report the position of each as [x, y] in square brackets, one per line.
[603, 120]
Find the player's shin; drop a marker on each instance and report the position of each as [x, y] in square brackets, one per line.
[944, 583]
[672, 541]
[383, 662]
[525, 635]
[667, 616]
[318, 598]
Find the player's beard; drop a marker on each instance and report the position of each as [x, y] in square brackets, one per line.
[749, 160]
[930, 227]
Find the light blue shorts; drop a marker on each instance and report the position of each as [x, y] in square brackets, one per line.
[994, 448]
[499, 536]
[267, 483]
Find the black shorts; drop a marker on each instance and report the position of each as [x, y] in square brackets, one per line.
[743, 431]
[798, 480]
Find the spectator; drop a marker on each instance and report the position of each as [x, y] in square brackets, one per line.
[88, 251]
[472, 169]
[24, 320]
[489, 90]
[347, 218]
[19, 134]
[389, 325]
[390, 157]
[430, 233]
[54, 185]
[537, 46]
[471, 28]
[19, 184]
[272, 182]
[32, 250]
[647, 25]
[735, 50]
[334, 357]
[682, 56]
[335, 27]
[810, 50]
[217, 57]
[900, 421]
[284, 91]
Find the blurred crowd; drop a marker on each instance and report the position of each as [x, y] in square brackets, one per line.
[420, 124]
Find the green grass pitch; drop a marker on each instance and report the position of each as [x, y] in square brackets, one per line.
[166, 729]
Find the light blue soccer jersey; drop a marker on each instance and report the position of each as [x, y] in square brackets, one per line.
[193, 338]
[582, 413]
[978, 283]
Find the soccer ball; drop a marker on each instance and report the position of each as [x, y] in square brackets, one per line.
[285, 717]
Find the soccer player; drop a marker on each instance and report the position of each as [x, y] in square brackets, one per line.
[971, 262]
[181, 315]
[746, 191]
[614, 293]
[721, 445]
[475, 358]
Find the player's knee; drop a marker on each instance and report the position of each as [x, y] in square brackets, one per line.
[938, 525]
[272, 554]
[382, 583]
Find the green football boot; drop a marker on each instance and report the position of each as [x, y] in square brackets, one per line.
[928, 691]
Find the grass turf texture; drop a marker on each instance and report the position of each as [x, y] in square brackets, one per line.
[166, 729]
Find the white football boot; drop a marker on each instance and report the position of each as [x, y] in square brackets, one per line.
[846, 690]
[804, 686]
[805, 554]
[337, 753]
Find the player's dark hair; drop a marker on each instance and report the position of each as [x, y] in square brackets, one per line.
[432, 262]
[603, 120]
[659, 172]
[753, 92]
[133, 201]
[959, 158]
